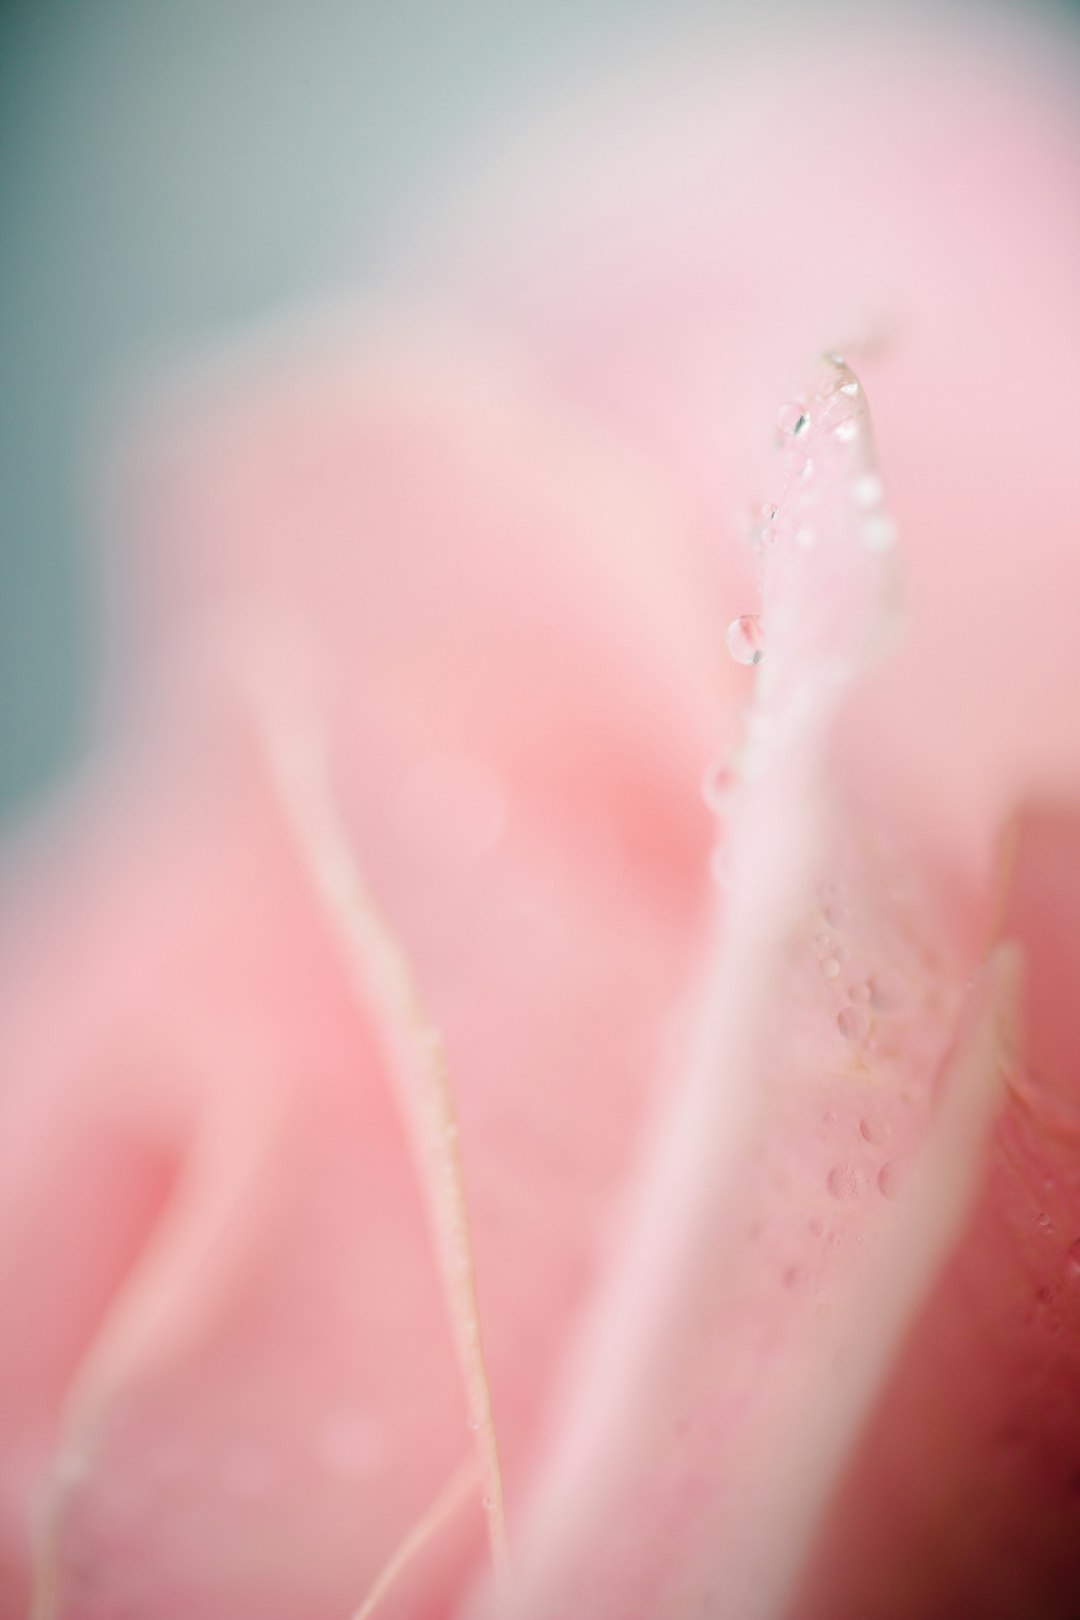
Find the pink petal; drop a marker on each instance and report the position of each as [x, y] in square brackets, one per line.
[770, 1259]
[521, 698]
[515, 749]
[260, 1395]
[865, 177]
[965, 1499]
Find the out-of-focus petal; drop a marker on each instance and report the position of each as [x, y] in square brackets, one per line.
[842, 178]
[268, 1399]
[517, 727]
[522, 692]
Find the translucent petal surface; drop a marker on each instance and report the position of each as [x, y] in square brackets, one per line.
[771, 1253]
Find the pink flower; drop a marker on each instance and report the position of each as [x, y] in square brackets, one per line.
[446, 1168]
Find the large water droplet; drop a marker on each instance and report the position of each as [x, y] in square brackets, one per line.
[830, 967]
[793, 419]
[746, 639]
[847, 431]
[853, 1023]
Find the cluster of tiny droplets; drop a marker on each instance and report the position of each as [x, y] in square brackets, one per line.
[864, 998]
[745, 637]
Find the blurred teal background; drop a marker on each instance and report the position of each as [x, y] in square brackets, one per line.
[170, 169]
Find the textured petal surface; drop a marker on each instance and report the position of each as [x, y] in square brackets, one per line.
[772, 1254]
[965, 1499]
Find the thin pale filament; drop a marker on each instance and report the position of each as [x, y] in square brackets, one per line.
[453, 1496]
[412, 1046]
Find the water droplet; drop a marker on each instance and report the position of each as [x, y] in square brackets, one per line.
[830, 967]
[850, 388]
[869, 1131]
[879, 532]
[845, 1182]
[836, 914]
[746, 639]
[889, 1180]
[792, 419]
[859, 992]
[847, 430]
[853, 1023]
[716, 785]
[1073, 1258]
[887, 991]
[764, 537]
[822, 943]
[769, 511]
[867, 490]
